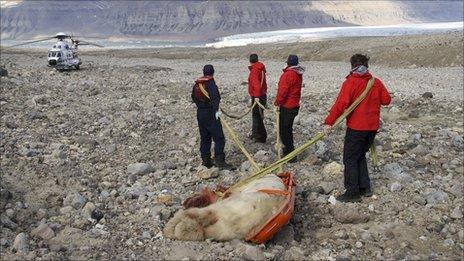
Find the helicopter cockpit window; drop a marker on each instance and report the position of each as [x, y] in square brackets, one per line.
[54, 46]
[59, 54]
[59, 46]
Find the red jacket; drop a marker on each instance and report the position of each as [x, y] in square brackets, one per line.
[366, 116]
[289, 91]
[257, 85]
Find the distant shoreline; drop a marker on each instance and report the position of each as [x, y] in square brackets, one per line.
[269, 37]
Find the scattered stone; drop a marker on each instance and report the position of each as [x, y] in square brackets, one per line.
[74, 199]
[205, 173]
[332, 169]
[97, 214]
[21, 243]
[66, 210]
[43, 231]
[6, 222]
[3, 72]
[395, 171]
[253, 253]
[395, 187]
[420, 200]
[327, 187]
[358, 244]
[456, 213]
[332, 200]
[294, 253]
[427, 95]
[88, 209]
[434, 196]
[139, 168]
[10, 213]
[349, 213]
[166, 198]
[342, 234]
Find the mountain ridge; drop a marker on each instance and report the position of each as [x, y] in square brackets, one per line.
[208, 20]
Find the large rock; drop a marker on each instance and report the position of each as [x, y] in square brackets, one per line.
[88, 209]
[139, 168]
[433, 196]
[43, 231]
[349, 213]
[327, 187]
[7, 222]
[456, 213]
[74, 199]
[332, 169]
[21, 243]
[205, 173]
[395, 172]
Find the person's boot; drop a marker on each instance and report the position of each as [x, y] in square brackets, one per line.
[220, 162]
[349, 197]
[366, 192]
[207, 162]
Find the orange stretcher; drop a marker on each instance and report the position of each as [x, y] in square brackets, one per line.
[281, 217]
[273, 224]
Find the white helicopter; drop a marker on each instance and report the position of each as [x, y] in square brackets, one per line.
[63, 54]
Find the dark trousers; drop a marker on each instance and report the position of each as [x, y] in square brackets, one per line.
[286, 118]
[258, 131]
[357, 143]
[210, 130]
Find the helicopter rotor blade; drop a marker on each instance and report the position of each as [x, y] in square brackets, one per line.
[89, 43]
[35, 41]
[89, 37]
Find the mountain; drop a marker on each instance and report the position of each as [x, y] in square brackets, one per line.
[206, 20]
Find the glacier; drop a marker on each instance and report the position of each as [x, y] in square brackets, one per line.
[308, 34]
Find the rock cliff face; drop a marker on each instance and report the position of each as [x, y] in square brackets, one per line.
[207, 20]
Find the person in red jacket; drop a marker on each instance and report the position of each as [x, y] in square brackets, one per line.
[257, 88]
[288, 101]
[362, 125]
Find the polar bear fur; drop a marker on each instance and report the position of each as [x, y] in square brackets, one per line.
[245, 210]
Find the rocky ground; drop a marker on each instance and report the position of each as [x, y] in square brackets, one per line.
[94, 162]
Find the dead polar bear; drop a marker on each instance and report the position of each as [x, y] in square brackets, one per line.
[233, 217]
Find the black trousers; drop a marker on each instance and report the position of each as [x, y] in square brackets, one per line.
[357, 143]
[210, 130]
[286, 118]
[258, 131]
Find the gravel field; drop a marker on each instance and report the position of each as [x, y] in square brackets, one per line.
[69, 141]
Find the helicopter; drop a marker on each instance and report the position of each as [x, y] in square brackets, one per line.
[63, 54]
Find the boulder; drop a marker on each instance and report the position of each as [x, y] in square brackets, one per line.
[21, 243]
[139, 168]
[332, 169]
[43, 231]
[349, 213]
[205, 173]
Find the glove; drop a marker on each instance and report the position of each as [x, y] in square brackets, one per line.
[218, 114]
[256, 99]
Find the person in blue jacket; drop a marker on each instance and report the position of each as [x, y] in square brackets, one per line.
[205, 95]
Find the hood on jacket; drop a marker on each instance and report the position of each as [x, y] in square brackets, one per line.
[203, 79]
[257, 65]
[297, 68]
[366, 75]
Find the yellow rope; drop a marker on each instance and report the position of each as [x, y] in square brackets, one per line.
[306, 145]
[239, 144]
[279, 163]
[241, 115]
